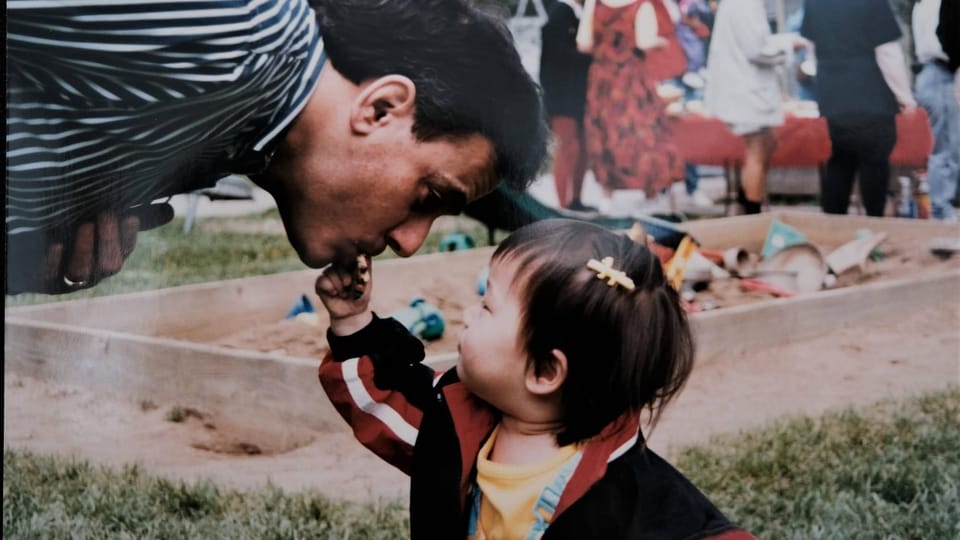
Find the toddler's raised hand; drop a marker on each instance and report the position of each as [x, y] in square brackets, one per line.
[345, 293]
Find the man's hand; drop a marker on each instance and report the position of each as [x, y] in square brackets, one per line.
[64, 262]
[349, 309]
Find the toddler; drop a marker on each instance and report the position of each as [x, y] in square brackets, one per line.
[536, 432]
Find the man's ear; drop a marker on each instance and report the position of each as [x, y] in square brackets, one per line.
[551, 377]
[382, 101]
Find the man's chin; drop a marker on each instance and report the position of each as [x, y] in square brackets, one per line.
[313, 256]
[345, 257]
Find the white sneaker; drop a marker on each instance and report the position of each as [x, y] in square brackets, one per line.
[625, 202]
[699, 198]
[604, 205]
[661, 204]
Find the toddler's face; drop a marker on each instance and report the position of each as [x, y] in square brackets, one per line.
[492, 363]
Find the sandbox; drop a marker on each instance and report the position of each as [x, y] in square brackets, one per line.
[225, 346]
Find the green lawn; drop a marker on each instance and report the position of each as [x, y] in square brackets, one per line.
[888, 471]
[891, 471]
[167, 257]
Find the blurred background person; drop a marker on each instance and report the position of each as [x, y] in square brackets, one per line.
[629, 141]
[804, 66]
[861, 84]
[563, 76]
[947, 32]
[692, 33]
[935, 93]
[744, 89]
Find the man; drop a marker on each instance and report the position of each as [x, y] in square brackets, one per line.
[861, 84]
[935, 92]
[364, 119]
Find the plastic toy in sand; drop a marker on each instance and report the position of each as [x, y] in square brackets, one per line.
[456, 241]
[482, 278]
[781, 236]
[302, 305]
[422, 319]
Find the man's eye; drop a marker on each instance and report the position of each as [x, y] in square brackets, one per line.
[432, 202]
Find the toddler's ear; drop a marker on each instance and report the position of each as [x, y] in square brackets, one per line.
[551, 376]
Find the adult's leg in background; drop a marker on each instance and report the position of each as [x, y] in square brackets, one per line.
[877, 137]
[837, 184]
[935, 93]
[569, 162]
[690, 177]
[760, 146]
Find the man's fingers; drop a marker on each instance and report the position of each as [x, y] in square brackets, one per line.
[151, 215]
[129, 228]
[80, 265]
[51, 267]
[109, 256]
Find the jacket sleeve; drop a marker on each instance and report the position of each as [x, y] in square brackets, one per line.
[377, 383]
[753, 36]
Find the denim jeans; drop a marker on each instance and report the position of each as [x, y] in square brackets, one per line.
[690, 176]
[935, 93]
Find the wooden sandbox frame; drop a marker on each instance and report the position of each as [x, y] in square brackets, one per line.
[110, 344]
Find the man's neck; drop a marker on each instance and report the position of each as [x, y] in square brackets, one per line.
[332, 90]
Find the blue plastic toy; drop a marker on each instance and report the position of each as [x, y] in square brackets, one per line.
[456, 241]
[663, 232]
[302, 305]
[781, 236]
[482, 278]
[422, 319]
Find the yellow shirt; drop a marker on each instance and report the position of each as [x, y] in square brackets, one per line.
[510, 492]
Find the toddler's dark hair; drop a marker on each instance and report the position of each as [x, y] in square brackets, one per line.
[626, 350]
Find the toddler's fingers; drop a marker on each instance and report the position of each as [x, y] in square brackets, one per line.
[334, 283]
[325, 285]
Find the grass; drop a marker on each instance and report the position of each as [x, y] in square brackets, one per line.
[167, 257]
[891, 471]
[51, 498]
[887, 471]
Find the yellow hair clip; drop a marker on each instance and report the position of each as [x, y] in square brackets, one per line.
[604, 269]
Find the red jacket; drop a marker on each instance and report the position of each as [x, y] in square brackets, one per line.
[429, 426]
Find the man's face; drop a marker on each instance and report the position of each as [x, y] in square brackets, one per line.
[361, 194]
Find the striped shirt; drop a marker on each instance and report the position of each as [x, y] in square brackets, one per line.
[113, 103]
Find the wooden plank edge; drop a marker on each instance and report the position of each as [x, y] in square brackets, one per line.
[719, 334]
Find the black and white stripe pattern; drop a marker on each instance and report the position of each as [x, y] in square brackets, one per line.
[112, 103]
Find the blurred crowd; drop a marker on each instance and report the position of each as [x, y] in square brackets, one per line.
[614, 72]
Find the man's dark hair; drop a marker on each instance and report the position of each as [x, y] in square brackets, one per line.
[467, 72]
[626, 351]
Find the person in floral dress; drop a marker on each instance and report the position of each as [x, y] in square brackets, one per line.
[629, 140]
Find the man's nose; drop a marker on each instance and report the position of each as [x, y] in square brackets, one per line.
[406, 238]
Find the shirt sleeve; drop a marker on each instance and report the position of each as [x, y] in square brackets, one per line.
[752, 32]
[880, 24]
[376, 382]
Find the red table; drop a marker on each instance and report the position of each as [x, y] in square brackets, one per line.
[801, 142]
